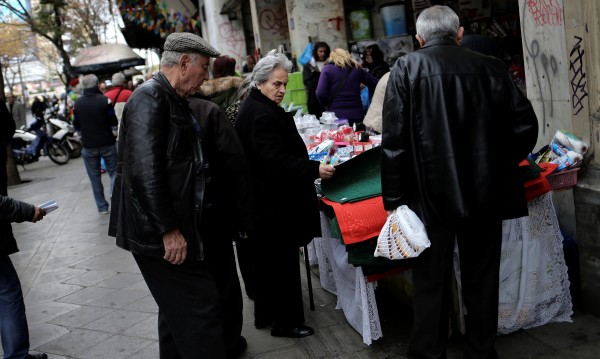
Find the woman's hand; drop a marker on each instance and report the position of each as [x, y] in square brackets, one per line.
[326, 171]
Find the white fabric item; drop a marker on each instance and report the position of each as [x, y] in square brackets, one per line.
[356, 296]
[534, 285]
[403, 236]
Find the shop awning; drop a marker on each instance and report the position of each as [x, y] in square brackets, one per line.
[106, 58]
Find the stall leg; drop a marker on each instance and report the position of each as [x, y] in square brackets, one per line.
[308, 279]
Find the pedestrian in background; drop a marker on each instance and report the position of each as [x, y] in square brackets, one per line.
[14, 332]
[452, 157]
[340, 85]
[17, 110]
[162, 199]
[95, 119]
[310, 77]
[118, 94]
[374, 62]
[222, 88]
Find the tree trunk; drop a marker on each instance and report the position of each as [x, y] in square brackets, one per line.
[12, 173]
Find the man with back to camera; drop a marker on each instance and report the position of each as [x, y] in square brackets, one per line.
[452, 157]
[118, 94]
[163, 197]
[95, 118]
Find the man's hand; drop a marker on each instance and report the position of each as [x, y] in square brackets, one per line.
[38, 214]
[175, 246]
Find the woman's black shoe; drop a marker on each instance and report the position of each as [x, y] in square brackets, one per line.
[298, 332]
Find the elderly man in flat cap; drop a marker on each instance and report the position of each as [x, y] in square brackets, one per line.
[160, 200]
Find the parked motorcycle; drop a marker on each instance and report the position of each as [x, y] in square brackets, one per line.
[48, 146]
[65, 133]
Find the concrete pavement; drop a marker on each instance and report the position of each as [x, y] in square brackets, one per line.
[86, 298]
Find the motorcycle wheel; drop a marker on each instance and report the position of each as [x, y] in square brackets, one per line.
[58, 153]
[76, 150]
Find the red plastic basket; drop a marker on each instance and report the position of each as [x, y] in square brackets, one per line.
[563, 179]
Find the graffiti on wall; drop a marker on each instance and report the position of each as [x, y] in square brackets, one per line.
[274, 21]
[545, 12]
[578, 79]
[540, 54]
[233, 39]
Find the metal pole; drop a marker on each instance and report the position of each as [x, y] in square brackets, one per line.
[309, 279]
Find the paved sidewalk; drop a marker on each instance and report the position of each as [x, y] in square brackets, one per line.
[86, 299]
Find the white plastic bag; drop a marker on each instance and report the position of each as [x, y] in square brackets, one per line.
[403, 236]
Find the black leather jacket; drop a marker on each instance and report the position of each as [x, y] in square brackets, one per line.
[160, 174]
[455, 128]
[12, 210]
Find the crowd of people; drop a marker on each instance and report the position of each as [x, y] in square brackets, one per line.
[206, 161]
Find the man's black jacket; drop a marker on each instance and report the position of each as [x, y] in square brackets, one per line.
[455, 128]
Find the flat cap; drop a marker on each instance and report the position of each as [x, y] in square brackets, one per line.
[187, 42]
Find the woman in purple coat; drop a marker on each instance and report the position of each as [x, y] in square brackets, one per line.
[340, 84]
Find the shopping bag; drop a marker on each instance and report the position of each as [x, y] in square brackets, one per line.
[403, 236]
[307, 54]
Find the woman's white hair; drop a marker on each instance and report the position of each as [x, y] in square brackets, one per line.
[437, 22]
[265, 67]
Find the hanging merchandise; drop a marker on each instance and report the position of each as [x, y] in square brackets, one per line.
[154, 16]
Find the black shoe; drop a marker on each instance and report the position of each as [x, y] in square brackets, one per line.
[298, 332]
[37, 356]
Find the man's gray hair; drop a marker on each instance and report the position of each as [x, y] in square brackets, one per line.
[89, 81]
[171, 58]
[118, 79]
[437, 22]
[265, 67]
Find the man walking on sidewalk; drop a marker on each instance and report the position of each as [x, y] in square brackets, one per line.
[95, 118]
[455, 128]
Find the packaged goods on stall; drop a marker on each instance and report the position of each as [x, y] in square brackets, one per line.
[565, 149]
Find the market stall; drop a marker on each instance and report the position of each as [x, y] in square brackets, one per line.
[534, 284]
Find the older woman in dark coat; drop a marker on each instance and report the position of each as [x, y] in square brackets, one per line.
[287, 208]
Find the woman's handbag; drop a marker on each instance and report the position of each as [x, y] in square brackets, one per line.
[403, 236]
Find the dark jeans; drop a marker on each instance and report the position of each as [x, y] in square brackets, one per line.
[479, 243]
[91, 159]
[13, 323]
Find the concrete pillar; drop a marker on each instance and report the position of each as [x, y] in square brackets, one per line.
[223, 34]
[591, 11]
[587, 192]
[319, 20]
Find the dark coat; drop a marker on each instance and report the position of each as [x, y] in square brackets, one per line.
[160, 173]
[310, 78]
[12, 210]
[95, 117]
[229, 191]
[455, 128]
[283, 176]
[346, 103]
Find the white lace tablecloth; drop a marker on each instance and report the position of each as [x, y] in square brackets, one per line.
[355, 295]
[534, 285]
